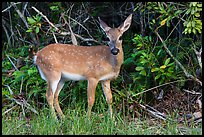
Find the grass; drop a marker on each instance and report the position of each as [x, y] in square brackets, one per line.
[76, 123]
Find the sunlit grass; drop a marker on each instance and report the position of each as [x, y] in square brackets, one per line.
[76, 123]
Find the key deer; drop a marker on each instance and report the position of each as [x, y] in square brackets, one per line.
[57, 63]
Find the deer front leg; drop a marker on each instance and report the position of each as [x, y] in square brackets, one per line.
[92, 83]
[108, 94]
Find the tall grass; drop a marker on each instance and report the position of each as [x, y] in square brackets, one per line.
[76, 123]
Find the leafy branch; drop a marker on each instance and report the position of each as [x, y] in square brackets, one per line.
[188, 75]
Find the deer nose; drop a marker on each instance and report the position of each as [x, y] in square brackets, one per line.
[113, 48]
[115, 51]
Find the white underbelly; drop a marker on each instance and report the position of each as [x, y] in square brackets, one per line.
[108, 76]
[72, 76]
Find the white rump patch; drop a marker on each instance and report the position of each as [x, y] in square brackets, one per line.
[34, 59]
[41, 74]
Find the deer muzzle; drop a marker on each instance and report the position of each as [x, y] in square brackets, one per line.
[114, 50]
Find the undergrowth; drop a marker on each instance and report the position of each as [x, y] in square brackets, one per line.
[76, 123]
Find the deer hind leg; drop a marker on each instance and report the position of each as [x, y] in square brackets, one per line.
[92, 83]
[108, 94]
[52, 86]
[56, 102]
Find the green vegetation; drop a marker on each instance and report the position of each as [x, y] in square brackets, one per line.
[76, 123]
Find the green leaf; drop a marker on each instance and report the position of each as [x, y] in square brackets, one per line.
[198, 21]
[31, 20]
[198, 29]
[177, 12]
[37, 29]
[153, 21]
[185, 31]
[194, 3]
[199, 5]
[18, 75]
[162, 70]
[29, 30]
[150, 38]
[163, 67]
[170, 69]
[54, 8]
[185, 23]
[197, 14]
[31, 71]
[154, 69]
[189, 24]
[158, 76]
[193, 24]
[169, 74]
[144, 54]
[143, 61]
[167, 61]
[199, 9]
[143, 72]
[171, 64]
[139, 68]
[188, 11]
[194, 31]
[189, 31]
[192, 11]
[158, 53]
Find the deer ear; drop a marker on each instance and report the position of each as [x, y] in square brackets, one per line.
[103, 25]
[126, 24]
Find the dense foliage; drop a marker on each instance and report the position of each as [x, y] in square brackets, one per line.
[162, 35]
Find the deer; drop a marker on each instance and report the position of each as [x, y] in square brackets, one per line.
[58, 63]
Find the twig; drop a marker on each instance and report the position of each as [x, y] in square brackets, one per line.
[74, 41]
[12, 63]
[7, 35]
[24, 8]
[161, 86]
[45, 18]
[10, 6]
[54, 37]
[199, 103]
[23, 109]
[9, 110]
[20, 38]
[58, 30]
[21, 102]
[24, 103]
[175, 27]
[11, 92]
[11, 28]
[80, 25]
[21, 87]
[153, 112]
[180, 65]
[86, 39]
[192, 92]
[25, 22]
[198, 54]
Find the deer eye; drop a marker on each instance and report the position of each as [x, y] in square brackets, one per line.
[120, 38]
